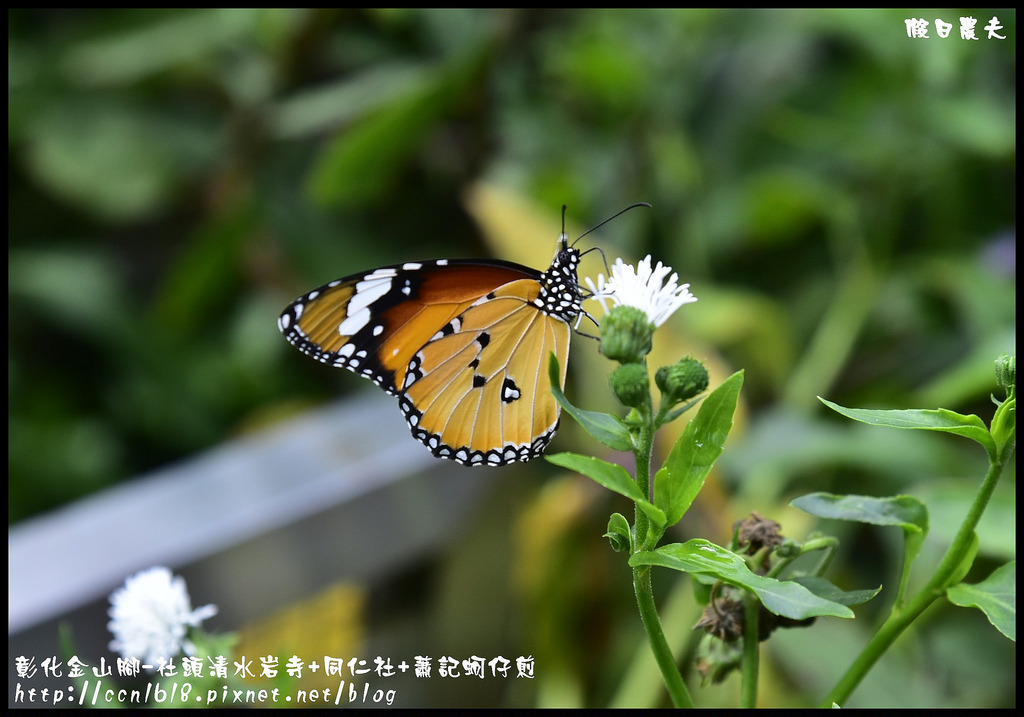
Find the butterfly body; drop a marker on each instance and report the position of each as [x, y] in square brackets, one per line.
[463, 344]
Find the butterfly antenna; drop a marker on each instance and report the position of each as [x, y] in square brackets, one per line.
[600, 251]
[563, 238]
[619, 213]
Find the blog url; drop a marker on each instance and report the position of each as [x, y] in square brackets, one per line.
[182, 695]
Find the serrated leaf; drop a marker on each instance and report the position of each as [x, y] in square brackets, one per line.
[996, 596]
[680, 479]
[601, 426]
[785, 598]
[938, 419]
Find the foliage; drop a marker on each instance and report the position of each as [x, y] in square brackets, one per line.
[754, 586]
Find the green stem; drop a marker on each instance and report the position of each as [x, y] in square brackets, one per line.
[642, 587]
[827, 544]
[643, 480]
[751, 644]
[656, 637]
[900, 619]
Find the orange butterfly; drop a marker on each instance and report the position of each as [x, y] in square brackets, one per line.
[463, 344]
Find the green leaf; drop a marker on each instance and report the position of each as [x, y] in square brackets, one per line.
[996, 596]
[601, 426]
[196, 279]
[682, 476]
[363, 161]
[824, 589]
[1004, 427]
[611, 476]
[179, 40]
[211, 645]
[965, 564]
[324, 106]
[677, 412]
[118, 159]
[785, 598]
[903, 511]
[619, 534]
[938, 419]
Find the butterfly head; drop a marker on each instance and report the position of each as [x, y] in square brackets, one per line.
[560, 293]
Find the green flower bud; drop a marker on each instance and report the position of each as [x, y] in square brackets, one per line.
[1006, 372]
[1004, 423]
[631, 384]
[626, 334]
[682, 381]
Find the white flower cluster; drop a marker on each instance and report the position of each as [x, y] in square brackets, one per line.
[643, 288]
[150, 616]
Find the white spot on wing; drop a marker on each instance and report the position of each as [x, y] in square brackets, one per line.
[380, 274]
[354, 321]
[368, 291]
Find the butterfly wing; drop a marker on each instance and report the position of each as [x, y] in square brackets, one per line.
[463, 344]
[477, 392]
[374, 323]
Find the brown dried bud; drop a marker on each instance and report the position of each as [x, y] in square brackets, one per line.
[756, 532]
[723, 618]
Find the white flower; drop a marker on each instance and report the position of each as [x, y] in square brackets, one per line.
[643, 288]
[150, 615]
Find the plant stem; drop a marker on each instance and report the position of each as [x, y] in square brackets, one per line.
[642, 587]
[643, 480]
[659, 646]
[900, 619]
[751, 644]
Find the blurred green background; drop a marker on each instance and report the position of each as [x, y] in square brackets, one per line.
[840, 197]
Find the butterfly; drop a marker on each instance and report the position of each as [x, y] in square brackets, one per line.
[462, 343]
